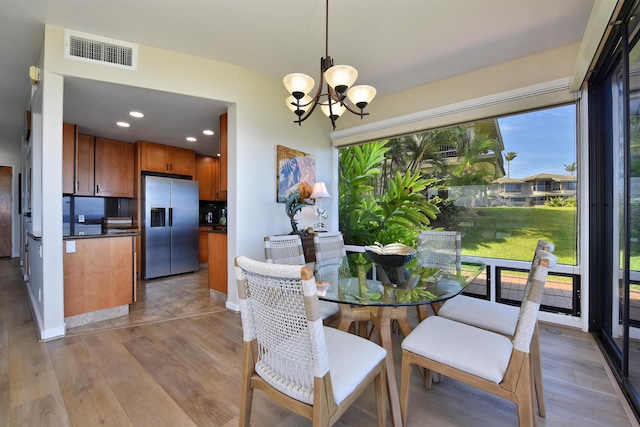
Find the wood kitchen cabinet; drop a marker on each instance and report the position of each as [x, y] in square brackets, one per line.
[218, 262]
[99, 273]
[224, 145]
[69, 136]
[96, 166]
[166, 159]
[85, 165]
[113, 168]
[203, 245]
[208, 177]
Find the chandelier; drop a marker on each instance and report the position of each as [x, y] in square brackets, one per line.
[333, 102]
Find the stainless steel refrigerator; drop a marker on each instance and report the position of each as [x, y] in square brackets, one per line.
[170, 229]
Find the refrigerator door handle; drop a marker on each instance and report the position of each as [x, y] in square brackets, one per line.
[170, 217]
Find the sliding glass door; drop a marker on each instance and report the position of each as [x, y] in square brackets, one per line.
[614, 138]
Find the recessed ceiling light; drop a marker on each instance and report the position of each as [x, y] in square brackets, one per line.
[191, 139]
[137, 114]
[123, 124]
[208, 132]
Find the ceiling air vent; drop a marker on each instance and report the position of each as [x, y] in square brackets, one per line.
[96, 49]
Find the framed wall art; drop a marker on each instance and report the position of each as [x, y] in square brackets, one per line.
[296, 172]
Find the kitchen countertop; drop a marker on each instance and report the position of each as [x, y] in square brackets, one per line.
[113, 233]
[216, 229]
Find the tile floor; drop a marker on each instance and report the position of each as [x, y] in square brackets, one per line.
[162, 299]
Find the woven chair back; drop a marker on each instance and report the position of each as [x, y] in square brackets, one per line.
[530, 306]
[284, 250]
[279, 309]
[329, 245]
[440, 249]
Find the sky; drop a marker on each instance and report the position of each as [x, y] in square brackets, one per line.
[544, 141]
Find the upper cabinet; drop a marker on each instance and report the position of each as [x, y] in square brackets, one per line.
[166, 159]
[85, 165]
[96, 166]
[208, 177]
[223, 156]
[69, 136]
[113, 168]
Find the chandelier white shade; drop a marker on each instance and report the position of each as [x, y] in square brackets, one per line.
[298, 84]
[339, 81]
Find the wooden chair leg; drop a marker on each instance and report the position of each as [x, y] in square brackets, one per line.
[422, 312]
[405, 385]
[435, 306]
[381, 394]
[246, 397]
[536, 364]
[524, 397]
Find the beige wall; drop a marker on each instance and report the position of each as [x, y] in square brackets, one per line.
[258, 121]
[527, 83]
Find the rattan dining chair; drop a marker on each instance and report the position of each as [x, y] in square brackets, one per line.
[483, 359]
[288, 249]
[312, 370]
[330, 246]
[442, 250]
[500, 318]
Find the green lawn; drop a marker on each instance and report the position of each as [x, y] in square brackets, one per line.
[513, 232]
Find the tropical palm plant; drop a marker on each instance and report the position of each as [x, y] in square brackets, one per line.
[508, 157]
[475, 151]
[571, 168]
[368, 213]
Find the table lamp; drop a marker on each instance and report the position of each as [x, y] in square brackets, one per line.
[320, 192]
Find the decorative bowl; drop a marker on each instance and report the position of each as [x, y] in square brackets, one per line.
[391, 255]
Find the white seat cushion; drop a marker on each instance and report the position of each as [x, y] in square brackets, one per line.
[467, 348]
[328, 309]
[351, 359]
[484, 314]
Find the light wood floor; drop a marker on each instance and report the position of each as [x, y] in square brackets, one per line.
[185, 372]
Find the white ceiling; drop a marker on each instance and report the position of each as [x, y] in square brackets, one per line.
[394, 44]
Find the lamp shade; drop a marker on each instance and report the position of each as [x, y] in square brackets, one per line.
[319, 191]
[292, 103]
[336, 110]
[298, 84]
[341, 77]
[361, 95]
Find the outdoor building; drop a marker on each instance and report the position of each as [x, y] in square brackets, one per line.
[533, 190]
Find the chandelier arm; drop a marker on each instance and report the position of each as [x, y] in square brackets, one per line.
[357, 113]
[308, 113]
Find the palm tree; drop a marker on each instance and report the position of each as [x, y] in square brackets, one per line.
[475, 152]
[508, 157]
[571, 168]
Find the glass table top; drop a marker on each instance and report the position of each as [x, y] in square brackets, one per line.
[412, 284]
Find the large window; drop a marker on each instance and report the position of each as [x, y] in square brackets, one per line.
[503, 182]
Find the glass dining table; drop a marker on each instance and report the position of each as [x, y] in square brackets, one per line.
[382, 294]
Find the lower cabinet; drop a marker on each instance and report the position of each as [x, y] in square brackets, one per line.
[99, 273]
[203, 245]
[218, 262]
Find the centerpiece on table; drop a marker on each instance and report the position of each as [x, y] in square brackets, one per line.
[391, 255]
